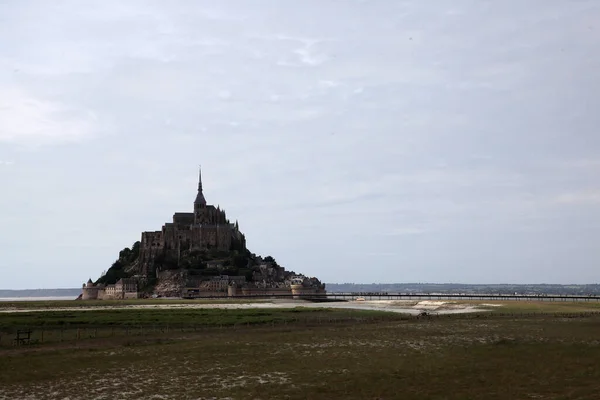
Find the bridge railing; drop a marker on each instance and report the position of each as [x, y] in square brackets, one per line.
[408, 296]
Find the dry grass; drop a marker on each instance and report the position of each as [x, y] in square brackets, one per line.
[452, 357]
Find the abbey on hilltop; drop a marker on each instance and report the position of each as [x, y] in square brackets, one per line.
[198, 254]
[204, 229]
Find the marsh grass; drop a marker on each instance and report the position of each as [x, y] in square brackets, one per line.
[62, 326]
[315, 354]
[520, 358]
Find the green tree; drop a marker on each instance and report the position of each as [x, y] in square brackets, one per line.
[125, 254]
[135, 251]
[240, 261]
[271, 260]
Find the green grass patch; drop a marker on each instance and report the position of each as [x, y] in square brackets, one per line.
[150, 320]
[45, 304]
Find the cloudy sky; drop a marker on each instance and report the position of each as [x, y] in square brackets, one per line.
[355, 141]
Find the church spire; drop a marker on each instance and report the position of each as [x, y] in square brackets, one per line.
[200, 200]
[200, 178]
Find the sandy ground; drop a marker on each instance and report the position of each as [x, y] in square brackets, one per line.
[410, 307]
[399, 306]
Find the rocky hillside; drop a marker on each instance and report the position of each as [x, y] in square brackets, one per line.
[168, 275]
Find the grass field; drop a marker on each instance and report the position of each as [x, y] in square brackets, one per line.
[48, 327]
[533, 352]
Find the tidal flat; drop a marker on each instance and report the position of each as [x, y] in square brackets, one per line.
[521, 350]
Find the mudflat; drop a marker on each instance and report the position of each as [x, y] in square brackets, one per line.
[397, 306]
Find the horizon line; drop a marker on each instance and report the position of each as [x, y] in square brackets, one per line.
[382, 283]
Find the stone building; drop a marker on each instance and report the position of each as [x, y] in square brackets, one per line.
[207, 227]
[125, 288]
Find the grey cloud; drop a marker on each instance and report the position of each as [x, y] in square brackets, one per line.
[425, 140]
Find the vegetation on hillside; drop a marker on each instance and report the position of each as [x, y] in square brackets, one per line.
[127, 257]
[201, 263]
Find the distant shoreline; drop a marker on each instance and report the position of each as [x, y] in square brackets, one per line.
[41, 298]
[441, 288]
[39, 292]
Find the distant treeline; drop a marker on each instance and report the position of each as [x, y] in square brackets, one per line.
[591, 289]
[40, 292]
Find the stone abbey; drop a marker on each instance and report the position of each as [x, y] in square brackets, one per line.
[198, 254]
[204, 229]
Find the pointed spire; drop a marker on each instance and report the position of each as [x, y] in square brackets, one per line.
[237, 226]
[200, 178]
[200, 200]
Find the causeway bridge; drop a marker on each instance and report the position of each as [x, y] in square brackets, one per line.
[460, 296]
[345, 296]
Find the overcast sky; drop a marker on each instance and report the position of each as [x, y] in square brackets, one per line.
[355, 141]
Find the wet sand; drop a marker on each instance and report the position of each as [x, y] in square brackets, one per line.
[399, 306]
